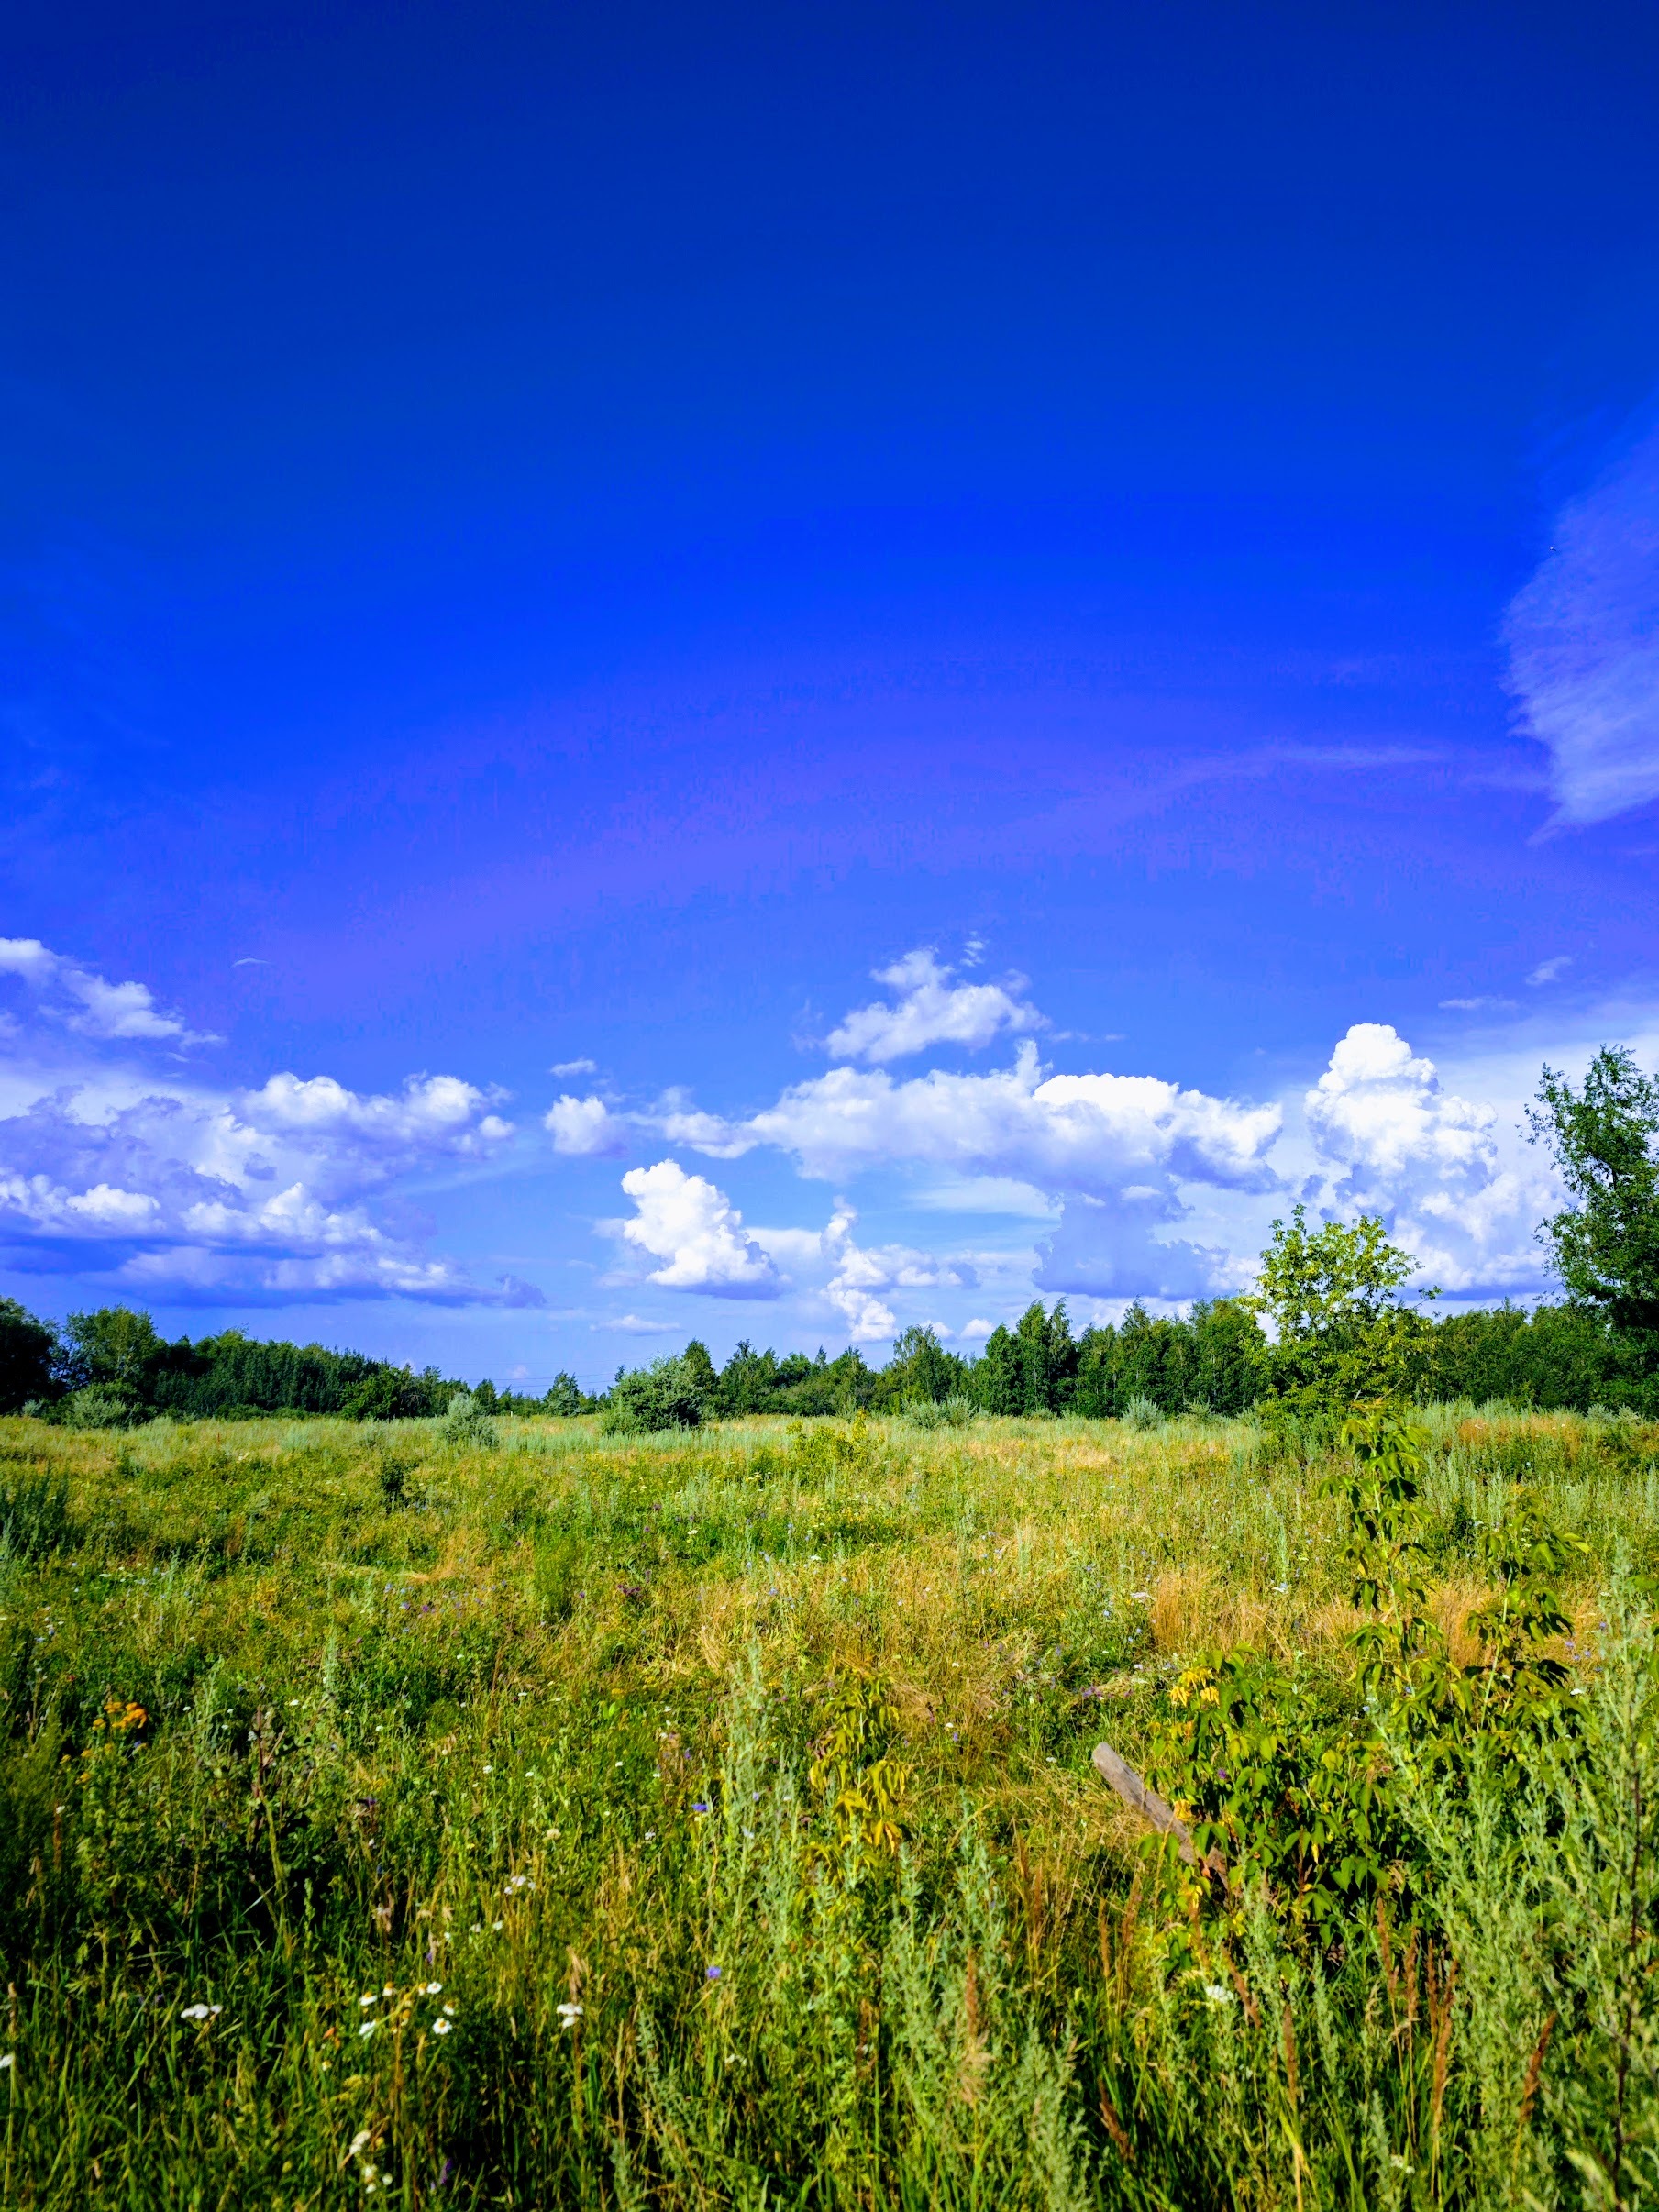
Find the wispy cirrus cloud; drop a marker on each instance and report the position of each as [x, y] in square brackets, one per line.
[1583, 637]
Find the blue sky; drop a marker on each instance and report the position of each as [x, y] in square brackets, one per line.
[995, 640]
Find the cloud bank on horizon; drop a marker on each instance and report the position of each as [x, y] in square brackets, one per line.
[1583, 637]
[144, 1177]
[158, 1183]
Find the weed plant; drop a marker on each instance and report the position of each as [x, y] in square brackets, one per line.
[398, 1814]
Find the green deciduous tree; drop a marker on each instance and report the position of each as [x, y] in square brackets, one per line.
[116, 1349]
[1032, 1367]
[29, 1349]
[921, 1369]
[566, 1397]
[1605, 1244]
[1342, 1336]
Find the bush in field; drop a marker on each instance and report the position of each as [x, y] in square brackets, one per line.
[1304, 1784]
[668, 1394]
[468, 1425]
[100, 1406]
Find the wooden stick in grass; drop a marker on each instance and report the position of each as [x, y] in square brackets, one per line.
[1146, 1800]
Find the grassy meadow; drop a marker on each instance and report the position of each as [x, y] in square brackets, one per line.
[708, 1819]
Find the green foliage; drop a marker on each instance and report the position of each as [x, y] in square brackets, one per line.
[566, 1398]
[666, 1395]
[860, 1781]
[760, 1382]
[1341, 1336]
[28, 1353]
[1605, 1140]
[1554, 1356]
[382, 1392]
[1213, 1361]
[920, 1371]
[700, 1368]
[468, 1425]
[100, 1406]
[114, 1349]
[1302, 1784]
[1032, 1367]
[956, 1411]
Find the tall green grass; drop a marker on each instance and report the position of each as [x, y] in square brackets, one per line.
[446, 1836]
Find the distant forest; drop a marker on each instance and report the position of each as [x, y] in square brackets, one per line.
[112, 1366]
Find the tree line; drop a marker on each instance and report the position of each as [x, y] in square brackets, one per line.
[111, 1367]
[1337, 1331]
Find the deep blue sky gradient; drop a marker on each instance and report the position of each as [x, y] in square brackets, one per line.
[575, 532]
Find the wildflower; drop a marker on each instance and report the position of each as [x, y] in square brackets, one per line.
[7, 2059]
[433, 1988]
[367, 2028]
[570, 2013]
[367, 1998]
[700, 1806]
[201, 2012]
[650, 1835]
[358, 2142]
[497, 1926]
[1218, 1992]
[441, 2026]
[711, 1974]
[451, 2010]
[1402, 2165]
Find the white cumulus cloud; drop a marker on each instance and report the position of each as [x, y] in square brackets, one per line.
[1090, 1134]
[1584, 644]
[585, 1128]
[860, 1274]
[695, 1231]
[84, 1001]
[1437, 1167]
[172, 1186]
[1379, 1111]
[930, 1009]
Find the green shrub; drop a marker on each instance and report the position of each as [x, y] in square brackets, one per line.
[467, 1426]
[668, 1394]
[101, 1406]
[957, 1411]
